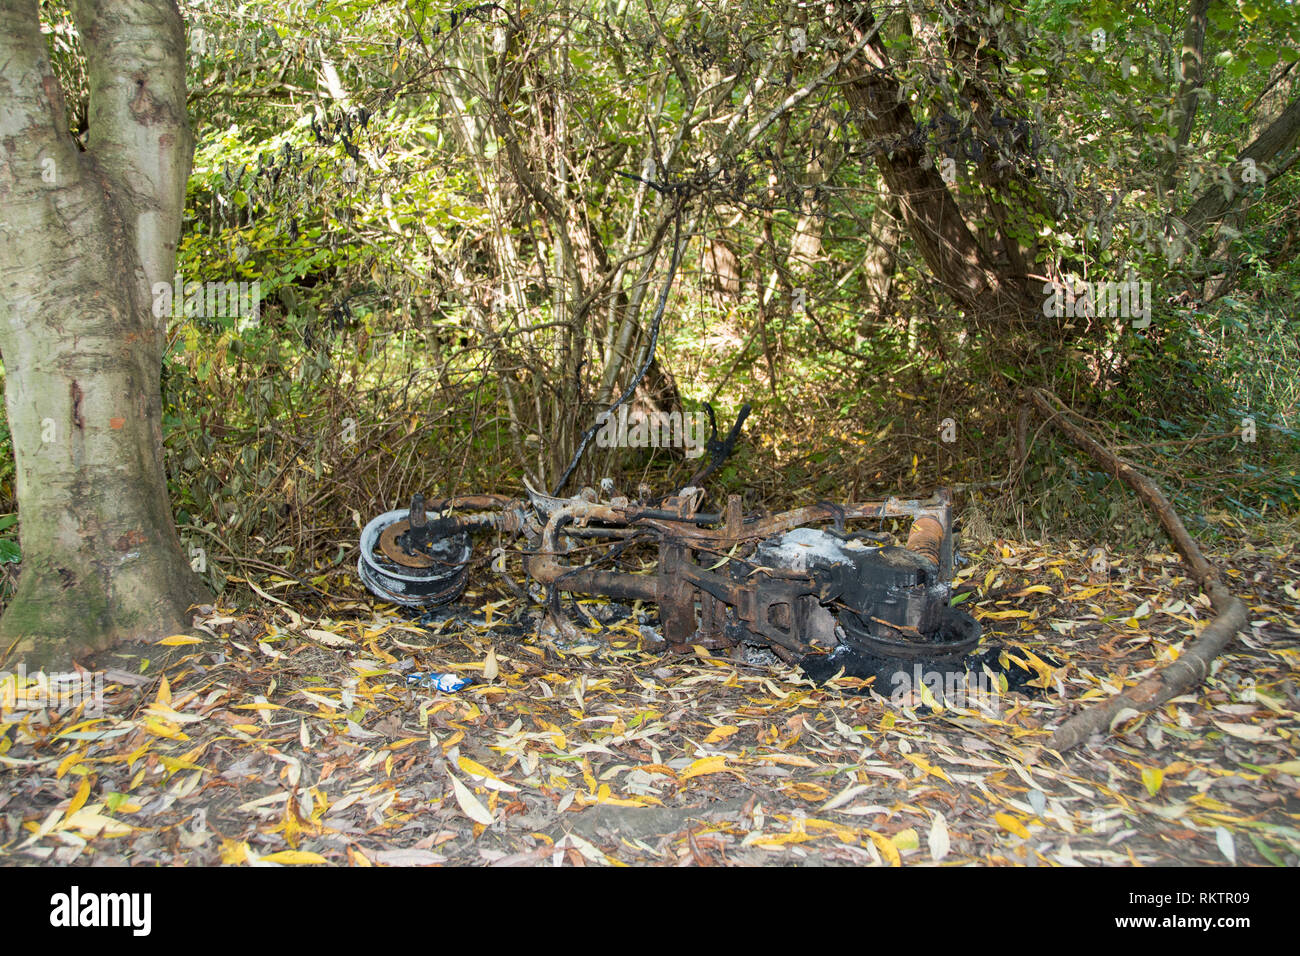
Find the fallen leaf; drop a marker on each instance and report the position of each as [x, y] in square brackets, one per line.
[1152, 777]
[328, 638]
[706, 765]
[469, 803]
[1011, 824]
[1224, 839]
[938, 839]
[294, 858]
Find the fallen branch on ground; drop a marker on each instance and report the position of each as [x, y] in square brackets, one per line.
[1193, 664]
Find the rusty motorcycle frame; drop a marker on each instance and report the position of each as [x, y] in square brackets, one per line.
[721, 579]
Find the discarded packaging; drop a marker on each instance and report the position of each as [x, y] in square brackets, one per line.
[447, 683]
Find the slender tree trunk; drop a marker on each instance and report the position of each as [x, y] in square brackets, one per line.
[84, 236]
[882, 260]
[806, 243]
[1191, 71]
[929, 212]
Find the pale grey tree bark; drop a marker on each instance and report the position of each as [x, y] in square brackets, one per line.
[84, 236]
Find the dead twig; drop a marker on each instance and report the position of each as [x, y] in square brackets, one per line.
[1193, 664]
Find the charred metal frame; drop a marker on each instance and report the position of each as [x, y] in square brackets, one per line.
[693, 600]
[698, 602]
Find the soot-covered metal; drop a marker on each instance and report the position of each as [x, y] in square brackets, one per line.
[800, 583]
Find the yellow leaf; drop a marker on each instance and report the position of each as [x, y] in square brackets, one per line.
[92, 824]
[166, 714]
[165, 692]
[887, 847]
[137, 754]
[842, 833]
[706, 765]
[719, 733]
[66, 763]
[476, 769]
[605, 795]
[291, 825]
[79, 800]
[1291, 767]
[175, 765]
[1011, 824]
[783, 839]
[1045, 670]
[177, 640]
[233, 853]
[806, 790]
[907, 839]
[295, 857]
[927, 698]
[1153, 778]
[657, 768]
[161, 729]
[924, 765]
[490, 669]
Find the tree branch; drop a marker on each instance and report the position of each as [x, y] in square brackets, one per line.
[1193, 664]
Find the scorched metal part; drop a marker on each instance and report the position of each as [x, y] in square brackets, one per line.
[800, 582]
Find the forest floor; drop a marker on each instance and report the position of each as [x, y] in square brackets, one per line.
[294, 737]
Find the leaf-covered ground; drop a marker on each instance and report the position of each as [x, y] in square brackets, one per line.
[292, 738]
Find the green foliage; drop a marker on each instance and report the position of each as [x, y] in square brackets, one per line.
[428, 322]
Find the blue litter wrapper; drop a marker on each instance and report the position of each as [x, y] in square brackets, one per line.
[447, 683]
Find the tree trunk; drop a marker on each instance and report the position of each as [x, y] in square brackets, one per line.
[929, 212]
[881, 262]
[1277, 137]
[85, 238]
[1191, 72]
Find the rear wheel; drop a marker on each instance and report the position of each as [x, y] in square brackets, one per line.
[404, 563]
